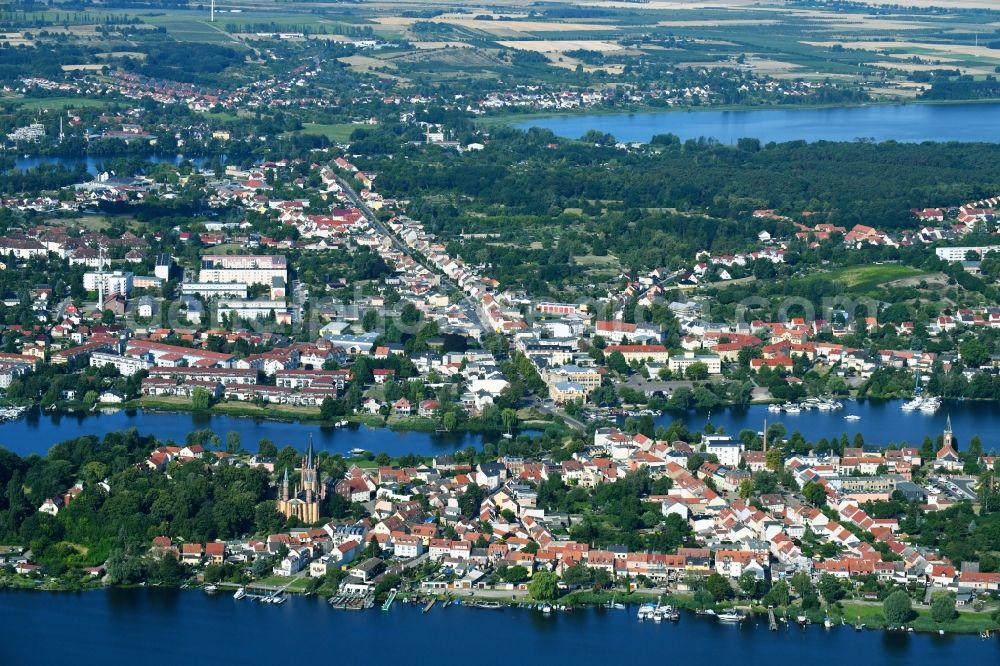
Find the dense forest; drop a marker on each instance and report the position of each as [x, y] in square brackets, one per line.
[44, 60]
[188, 62]
[537, 201]
[859, 182]
[963, 87]
[200, 502]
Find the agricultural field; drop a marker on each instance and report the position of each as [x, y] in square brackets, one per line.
[887, 51]
[190, 26]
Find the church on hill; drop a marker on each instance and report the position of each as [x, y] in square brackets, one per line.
[303, 500]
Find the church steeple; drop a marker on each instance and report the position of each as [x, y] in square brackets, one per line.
[948, 440]
[302, 499]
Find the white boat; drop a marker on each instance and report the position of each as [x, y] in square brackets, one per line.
[911, 405]
[546, 609]
[645, 611]
[852, 417]
[731, 616]
[930, 405]
[774, 408]
[341, 424]
[211, 589]
[240, 593]
[357, 452]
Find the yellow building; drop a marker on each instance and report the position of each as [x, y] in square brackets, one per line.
[303, 502]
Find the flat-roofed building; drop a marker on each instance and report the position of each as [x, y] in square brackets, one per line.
[245, 269]
[214, 289]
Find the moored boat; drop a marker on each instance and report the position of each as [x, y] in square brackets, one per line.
[731, 616]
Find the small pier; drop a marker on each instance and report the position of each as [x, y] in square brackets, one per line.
[352, 601]
[392, 597]
[772, 623]
[430, 605]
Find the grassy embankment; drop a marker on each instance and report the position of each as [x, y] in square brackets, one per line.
[966, 620]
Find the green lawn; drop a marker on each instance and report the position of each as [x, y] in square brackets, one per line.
[966, 621]
[871, 277]
[54, 102]
[861, 279]
[299, 584]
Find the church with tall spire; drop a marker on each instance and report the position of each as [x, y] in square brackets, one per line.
[947, 456]
[301, 500]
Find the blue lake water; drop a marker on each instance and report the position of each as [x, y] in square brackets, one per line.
[36, 432]
[881, 423]
[94, 164]
[910, 123]
[171, 627]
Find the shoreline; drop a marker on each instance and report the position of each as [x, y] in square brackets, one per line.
[268, 414]
[512, 119]
[587, 600]
[415, 423]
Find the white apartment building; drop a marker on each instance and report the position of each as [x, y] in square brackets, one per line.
[126, 365]
[725, 449]
[32, 132]
[117, 282]
[678, 364]
[211, 290]
[959, 253]
[163, 264]
[11, 371]
[245, 269]
[254, 309]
